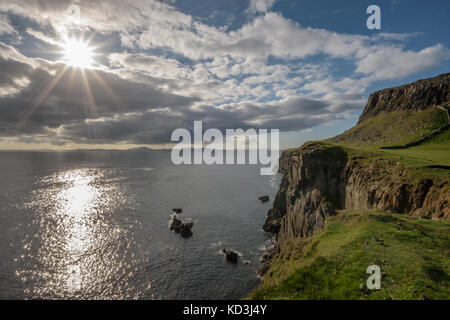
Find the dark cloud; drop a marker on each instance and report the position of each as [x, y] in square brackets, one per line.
[13, 71]
[153, 127]
[70, 105]
[72, 96]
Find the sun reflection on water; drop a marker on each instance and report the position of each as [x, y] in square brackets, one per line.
[85, 246]
[76, 203]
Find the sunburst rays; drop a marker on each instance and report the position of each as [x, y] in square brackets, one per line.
[83, 69]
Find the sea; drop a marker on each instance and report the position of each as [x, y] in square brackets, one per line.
[94, 225]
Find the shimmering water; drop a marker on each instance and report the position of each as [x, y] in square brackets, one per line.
[94, 225]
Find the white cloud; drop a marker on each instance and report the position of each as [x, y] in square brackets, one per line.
[394, 63]
[41, 36]
[261, 5]
[156, 66]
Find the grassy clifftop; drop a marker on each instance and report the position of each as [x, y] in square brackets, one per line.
[393, 128]
[413, 254]
[430, 158]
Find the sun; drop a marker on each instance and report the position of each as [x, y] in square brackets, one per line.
[78, 54]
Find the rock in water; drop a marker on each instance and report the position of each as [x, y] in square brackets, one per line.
[263, 199]
[175, 224]
[177, 210]
[185, 229]
[231, 255]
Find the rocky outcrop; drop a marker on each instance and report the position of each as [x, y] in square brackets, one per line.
[387, 186]
[175, 223]
[231, 255]
[183, 228]
[319, 180]
[418, 95]
[263, 199]
[265, 262]
[186, 229]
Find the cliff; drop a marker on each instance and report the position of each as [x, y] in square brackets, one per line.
[320, 179]
[323, 178]
[401, 117]
[415, 96]
[311, 185]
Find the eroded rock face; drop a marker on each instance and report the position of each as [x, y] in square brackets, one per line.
[418, 95]
[320, 180]
[385, 185]
[266, 260]
[311, 190]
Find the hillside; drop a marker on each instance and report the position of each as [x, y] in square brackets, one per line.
[396, 128]
[402, 115]
[395, 160]
[415, 96]
[413, 254]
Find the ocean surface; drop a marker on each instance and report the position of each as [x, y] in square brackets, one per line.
[94, 225]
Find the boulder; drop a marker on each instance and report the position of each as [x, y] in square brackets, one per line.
[175, 224]
[263, 199]
[185, 229]
[231, 255]
[177, 210]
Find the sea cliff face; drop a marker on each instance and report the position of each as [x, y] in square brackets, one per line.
[319, 180]
[309, 191]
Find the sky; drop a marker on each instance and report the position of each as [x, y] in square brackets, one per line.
[125, 74]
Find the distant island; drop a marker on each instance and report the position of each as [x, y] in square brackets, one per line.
[378, 194]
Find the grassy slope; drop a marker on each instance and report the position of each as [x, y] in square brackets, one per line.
[414, 256]
[393, 128]
[434, 151]
[417, 159]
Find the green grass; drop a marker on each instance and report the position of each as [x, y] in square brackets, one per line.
[417, 160]
[435, 151]
[393, 128]
[413, 255]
